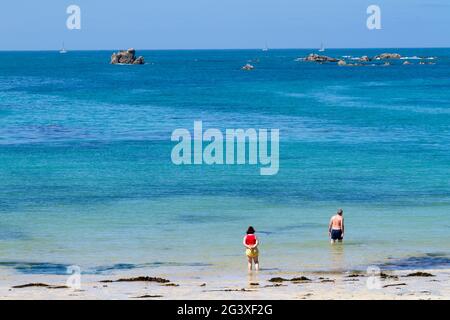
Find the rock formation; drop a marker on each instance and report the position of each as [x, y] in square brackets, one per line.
[388, 56]
[248, 67]
[318, 58]
[126, 57]
[364, 59]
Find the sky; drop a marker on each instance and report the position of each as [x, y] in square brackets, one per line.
[223, 24]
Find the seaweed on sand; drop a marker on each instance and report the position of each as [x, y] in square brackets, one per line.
[394, 285]
[388, 276]
[278, 279]
[420, 274]
[355, 275]
[145, 296]
[41, 285]
[296, 279]
[31, 285]
[299, 279]
[139, 279]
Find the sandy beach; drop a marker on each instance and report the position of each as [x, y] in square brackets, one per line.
[405, 284]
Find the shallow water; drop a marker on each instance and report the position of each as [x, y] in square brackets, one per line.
[86, 176]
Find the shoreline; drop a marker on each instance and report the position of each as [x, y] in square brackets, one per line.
[262, 285]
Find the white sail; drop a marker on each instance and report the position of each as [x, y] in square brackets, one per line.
[322, 48]
[63, 49]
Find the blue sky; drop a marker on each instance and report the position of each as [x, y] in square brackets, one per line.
[203, 24]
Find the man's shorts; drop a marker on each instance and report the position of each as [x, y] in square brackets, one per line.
[336, 234]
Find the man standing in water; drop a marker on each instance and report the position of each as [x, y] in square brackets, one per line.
[336, 227]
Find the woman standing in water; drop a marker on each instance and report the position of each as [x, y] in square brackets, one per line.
[251, 243]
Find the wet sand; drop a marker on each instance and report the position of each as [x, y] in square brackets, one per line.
[262, 285]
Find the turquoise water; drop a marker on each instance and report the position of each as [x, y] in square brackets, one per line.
[86, 176]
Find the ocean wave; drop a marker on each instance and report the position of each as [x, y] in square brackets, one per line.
[417, 58]
[411, 58]
[427, 261]
[61, 268]
[293, 94]
[36, 267]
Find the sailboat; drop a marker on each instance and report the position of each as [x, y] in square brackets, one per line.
[322, 48]
[63, 49]
[266, 48]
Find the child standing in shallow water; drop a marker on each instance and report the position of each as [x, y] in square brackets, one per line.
[251, 243]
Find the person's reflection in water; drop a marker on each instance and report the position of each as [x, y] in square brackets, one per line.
[252, 279]
[337, 257]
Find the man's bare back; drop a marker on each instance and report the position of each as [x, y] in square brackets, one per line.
[336, 222]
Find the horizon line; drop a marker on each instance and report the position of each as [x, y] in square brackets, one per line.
[219, 49]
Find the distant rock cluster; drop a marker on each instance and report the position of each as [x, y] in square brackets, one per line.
[363, 60]
[126, 57]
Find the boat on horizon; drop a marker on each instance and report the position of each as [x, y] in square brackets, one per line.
[63, 49]
[266, 48]
[322, 48]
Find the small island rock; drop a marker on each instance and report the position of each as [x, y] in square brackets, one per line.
[318, 58]
[126, 57]
[248, 67]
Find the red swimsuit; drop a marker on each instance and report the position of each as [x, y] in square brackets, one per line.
[250, 239]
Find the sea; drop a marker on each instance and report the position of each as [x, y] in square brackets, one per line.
[87, 178]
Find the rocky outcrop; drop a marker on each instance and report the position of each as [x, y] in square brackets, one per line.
[126, 57]
[364, 59]
[314, 57]
[248, 67]
[388, 56]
